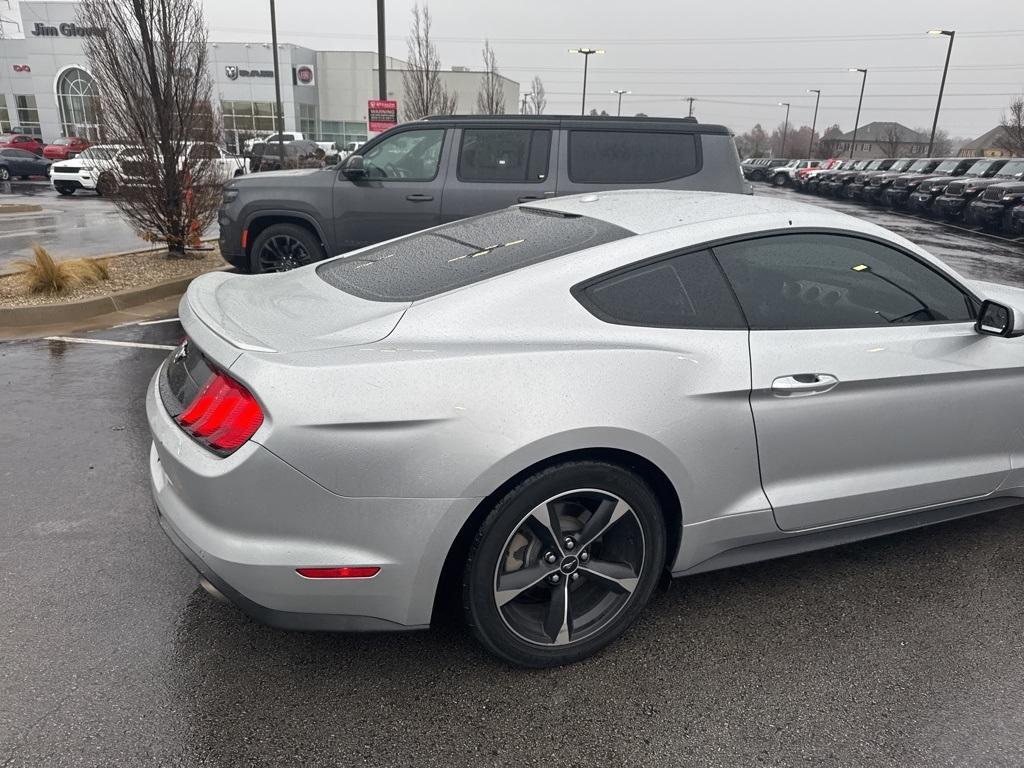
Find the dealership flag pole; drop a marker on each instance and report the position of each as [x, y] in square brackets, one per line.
[279, 110]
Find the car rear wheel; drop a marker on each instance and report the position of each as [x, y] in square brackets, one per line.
[5, 174]
[281, 247]
[563, 564]
[106, 185]
[779, 179]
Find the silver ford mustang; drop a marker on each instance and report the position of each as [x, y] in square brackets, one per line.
[540, 411]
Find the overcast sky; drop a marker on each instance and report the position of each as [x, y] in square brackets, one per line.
[739, 58]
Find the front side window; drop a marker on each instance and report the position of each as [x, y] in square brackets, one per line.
[685, 291]
[836, 281]
[631, 157]
[514, 155]
[406, 156]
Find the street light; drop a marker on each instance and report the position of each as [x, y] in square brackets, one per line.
[785, 127]
[586, 53]
[526, 96]
[814, 122]
[278, 109]
[856, 122]
[950, 33]
[620, 92]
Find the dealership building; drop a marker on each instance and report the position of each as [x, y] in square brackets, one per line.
[46, 89]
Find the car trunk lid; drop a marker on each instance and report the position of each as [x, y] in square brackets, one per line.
[284, 312]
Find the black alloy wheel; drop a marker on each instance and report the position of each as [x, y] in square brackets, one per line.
[564, 564]
[283, 247]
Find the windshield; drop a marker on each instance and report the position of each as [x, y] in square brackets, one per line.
[947, 165]
[874, 165]
[62, 142]
[920, 165]
[98, 153]
[901, 165]
[1010, 170]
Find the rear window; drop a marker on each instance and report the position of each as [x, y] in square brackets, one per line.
[631, 157]
[464, 252]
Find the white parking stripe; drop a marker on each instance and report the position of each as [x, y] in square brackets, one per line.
[110, 343]
[157, 322]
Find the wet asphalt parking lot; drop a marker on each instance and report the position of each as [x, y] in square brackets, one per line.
[901, 651]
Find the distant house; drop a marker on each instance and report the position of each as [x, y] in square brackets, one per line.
[882, 140]
[987, 145]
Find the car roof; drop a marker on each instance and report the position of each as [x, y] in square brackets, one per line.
[650, 210]
[679, 124]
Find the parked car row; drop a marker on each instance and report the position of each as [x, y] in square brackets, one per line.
[62, 149]
[20, 163]
[985, 192]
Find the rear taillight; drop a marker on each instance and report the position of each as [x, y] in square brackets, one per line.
[223, 415]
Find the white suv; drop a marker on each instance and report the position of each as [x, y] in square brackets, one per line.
[786, 175]
[96, 168]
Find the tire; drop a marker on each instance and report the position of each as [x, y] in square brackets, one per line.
[282, 247]
[5, 174]
[65, 190]
[530, 628]
[779, 180]
[106, 185]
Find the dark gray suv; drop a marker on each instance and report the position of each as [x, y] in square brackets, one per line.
[440, 169]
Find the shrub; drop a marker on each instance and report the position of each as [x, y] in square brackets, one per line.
[45, 275]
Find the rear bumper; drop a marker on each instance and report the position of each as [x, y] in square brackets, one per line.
[247, 521]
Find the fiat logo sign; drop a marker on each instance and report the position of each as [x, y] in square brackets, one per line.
[304, 75]
[22, 68]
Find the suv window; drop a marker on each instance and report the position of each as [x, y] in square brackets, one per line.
[489, 154]
[409, 155]
[836, 281]
[630, 157]
[464, 252]
[685, 291]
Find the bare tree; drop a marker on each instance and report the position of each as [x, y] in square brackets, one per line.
[425, 94]
[890, 142]
[490, 99]
[538, 100]
[1012, 139]
[942, 146]
[829, 143]
[151, 69]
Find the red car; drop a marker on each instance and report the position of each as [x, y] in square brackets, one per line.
[22, 141]
[65, 148]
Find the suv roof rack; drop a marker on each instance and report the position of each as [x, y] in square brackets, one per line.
[686, 123]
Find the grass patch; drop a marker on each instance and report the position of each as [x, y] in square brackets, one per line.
[45, 275]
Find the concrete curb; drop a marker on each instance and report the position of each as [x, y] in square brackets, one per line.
[76, 311]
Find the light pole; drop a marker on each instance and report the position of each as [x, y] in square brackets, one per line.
[382, 61]
[785, 127]
[856, 122]
[950, 33]
[586, 53]
[620, 92]
[690, 99]
[526, 96]
[814, 122]
[278, 109]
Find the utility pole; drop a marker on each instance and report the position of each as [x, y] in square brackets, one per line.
[950, 33]
[785, 127]
[586, 53]
[382, 59]
[620, 92]
[814, 123]
[278, 109]
[690, 99]
[856, 122]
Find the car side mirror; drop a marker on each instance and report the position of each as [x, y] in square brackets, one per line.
[999, 320]
[353, 167]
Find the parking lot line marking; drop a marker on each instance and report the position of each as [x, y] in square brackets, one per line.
[157, 322]
[110, 343]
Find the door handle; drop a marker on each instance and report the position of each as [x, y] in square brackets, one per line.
[419, 198]
[803, 384]
[527, 198]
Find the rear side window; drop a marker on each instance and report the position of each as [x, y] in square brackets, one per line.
[630, 157]
[464, 252]
[513, 155]
[686, 291]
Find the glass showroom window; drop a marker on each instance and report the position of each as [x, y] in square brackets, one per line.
[307, 121]
[28, 115]
[5, 116]
[79, 103]
[342, 132]
[245, 120]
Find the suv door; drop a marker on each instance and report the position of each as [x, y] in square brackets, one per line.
[400, 191]
[498, 166]
[872, 393]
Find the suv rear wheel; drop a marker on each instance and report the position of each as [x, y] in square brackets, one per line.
[779, 179]
[564, 564]
[281, 247]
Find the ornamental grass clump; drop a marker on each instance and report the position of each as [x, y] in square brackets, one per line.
[43, 274]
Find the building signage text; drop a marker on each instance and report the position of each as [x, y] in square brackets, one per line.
[234, 72]
[67, 29]
[382, 114]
